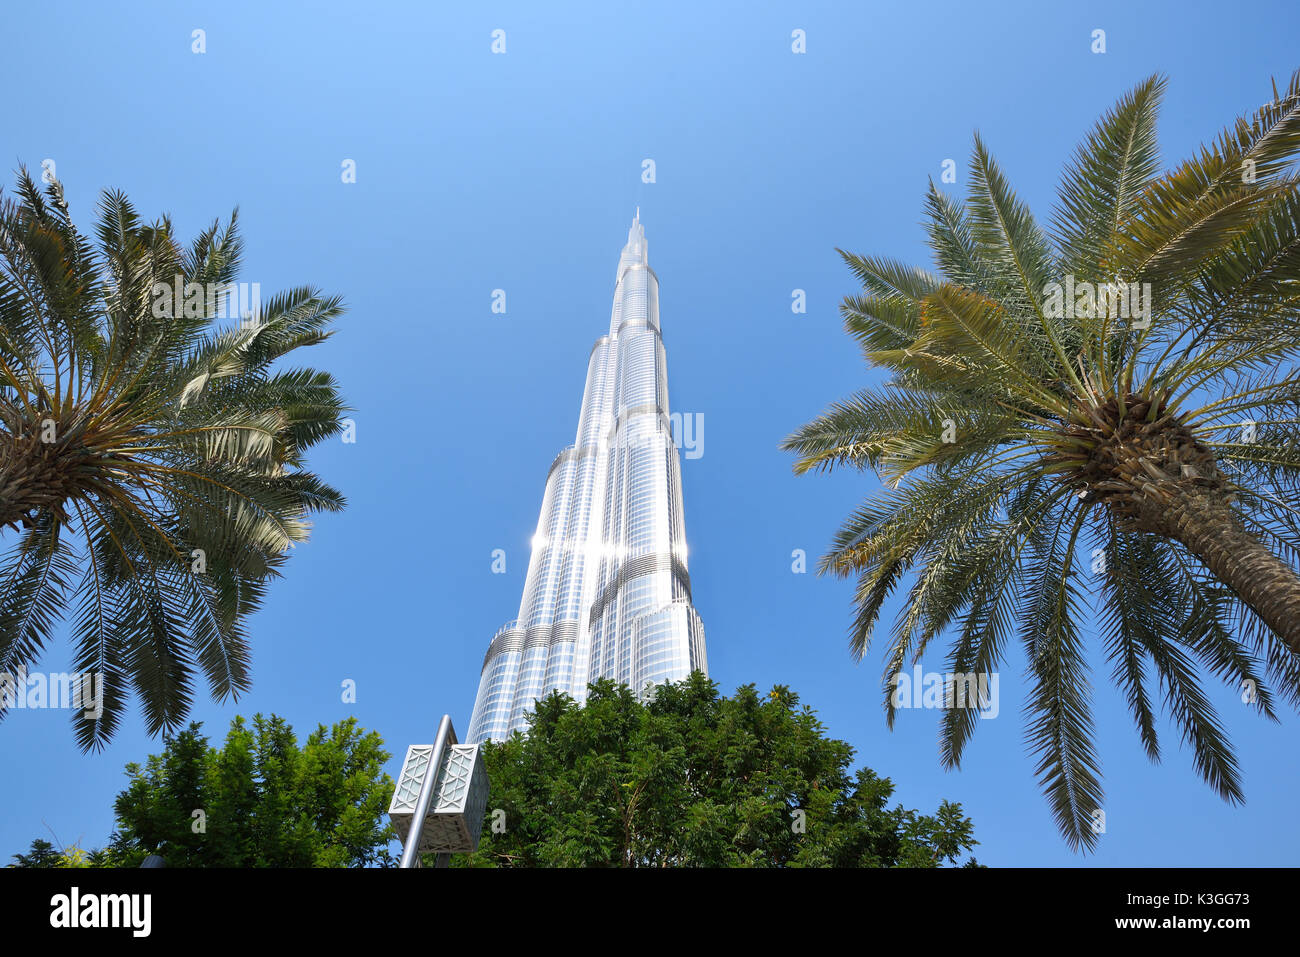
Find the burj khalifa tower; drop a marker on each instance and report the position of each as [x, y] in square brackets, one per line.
[608, 593]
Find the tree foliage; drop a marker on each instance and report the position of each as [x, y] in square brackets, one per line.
[693, 779]
[1097, 421]
[41, 854]
[152, 450]
[263, 801]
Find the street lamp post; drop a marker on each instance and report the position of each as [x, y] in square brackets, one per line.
[410, 855]
[440, 798]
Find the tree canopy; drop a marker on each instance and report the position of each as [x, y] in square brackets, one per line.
[261, 800]
[1096, 419]
[690, 778]
[152, 450]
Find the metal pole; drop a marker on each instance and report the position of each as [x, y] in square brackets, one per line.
[411, 853]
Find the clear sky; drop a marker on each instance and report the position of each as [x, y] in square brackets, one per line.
[520, 171]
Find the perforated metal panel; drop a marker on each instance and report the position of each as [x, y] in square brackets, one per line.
[459, 800]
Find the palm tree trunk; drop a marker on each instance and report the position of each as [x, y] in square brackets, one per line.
[33, 476]
[1211, 530]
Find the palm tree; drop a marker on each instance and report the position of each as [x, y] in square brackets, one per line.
[151, 457]
[1052, 450]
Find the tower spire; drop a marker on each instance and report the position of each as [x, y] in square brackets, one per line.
[636, 250]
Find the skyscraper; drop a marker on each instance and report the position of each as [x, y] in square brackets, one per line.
[607, 593]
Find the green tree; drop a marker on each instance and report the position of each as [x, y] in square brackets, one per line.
[1093, 422]
[262, 801]
[40, 854]
[693, 779]
[43, 854]
[151, 454]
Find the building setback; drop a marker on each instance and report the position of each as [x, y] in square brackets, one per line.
[608, 594]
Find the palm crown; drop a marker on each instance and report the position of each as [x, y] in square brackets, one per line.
[1099, 419]
[151, 457]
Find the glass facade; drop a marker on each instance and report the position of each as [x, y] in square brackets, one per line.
[607, 593]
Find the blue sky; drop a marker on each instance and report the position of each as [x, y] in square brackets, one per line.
[521, 172]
